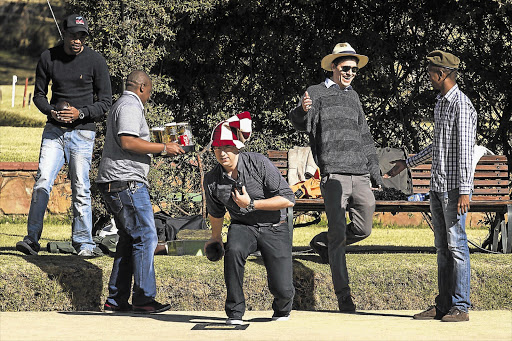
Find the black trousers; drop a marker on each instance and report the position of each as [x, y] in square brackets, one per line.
[275, 245]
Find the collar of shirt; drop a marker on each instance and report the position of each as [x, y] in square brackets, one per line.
[329, 82]
[450, 94]
[130, 93]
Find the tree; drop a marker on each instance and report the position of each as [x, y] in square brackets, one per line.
[211, 59]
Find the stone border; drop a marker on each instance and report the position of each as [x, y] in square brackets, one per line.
[16, 183]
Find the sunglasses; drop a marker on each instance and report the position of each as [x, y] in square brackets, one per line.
[346, 68]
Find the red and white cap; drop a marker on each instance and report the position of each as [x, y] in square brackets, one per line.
[233, 132]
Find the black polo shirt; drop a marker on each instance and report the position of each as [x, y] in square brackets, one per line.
[261, 179]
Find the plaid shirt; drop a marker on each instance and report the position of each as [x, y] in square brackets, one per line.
[452, 148]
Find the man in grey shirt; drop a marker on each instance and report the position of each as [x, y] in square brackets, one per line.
[122, 178]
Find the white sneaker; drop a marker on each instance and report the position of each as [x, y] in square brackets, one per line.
[281, 318]
[86, 253]
[108, 229]
[234, 322]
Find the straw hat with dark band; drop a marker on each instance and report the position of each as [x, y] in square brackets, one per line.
[341, 50]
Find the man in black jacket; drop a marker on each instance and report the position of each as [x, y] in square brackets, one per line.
[81, 95]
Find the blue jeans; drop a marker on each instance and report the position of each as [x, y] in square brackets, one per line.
[453, 268]
[275, 245]
[133, 214]
[75, 147]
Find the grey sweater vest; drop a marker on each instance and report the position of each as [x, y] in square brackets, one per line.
[339, 134]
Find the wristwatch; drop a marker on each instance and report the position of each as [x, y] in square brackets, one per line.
[81, 114]
[250, 207]
[164, 152]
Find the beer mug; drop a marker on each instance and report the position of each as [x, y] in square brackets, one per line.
[185, 137]
[171, 132]
[158, 134]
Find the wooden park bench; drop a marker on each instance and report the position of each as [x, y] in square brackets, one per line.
[491, 194]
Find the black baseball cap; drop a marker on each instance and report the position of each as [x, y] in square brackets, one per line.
[76, 23]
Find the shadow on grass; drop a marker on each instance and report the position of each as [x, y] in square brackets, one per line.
[13, 119]
[303, 281]
[368, 313]
[182, 318]
[200, 322]
[79, 279]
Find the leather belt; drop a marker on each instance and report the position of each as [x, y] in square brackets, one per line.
[115, 186]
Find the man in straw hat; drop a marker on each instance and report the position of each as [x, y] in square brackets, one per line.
[343, 148]
[255, 194]
[451, 151]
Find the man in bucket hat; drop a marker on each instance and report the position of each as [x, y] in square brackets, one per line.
[343, 148]
[255, 194]
[451, 151]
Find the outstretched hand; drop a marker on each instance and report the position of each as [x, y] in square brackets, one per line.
[399, 166]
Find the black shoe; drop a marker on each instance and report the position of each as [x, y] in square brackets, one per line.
[319, 245]
[151, 308]
[346, 304]
[122, 308]
[27, 247]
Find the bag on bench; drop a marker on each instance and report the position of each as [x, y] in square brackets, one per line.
[167, 227]
[402, 181]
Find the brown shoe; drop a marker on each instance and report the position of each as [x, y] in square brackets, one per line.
[455, 315]
[432, 313]
[346, 304]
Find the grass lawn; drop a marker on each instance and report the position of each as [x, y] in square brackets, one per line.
[19, 116]
[396, 236]
[20, 144]
[379, 280]
[11, 232]
[21, 127]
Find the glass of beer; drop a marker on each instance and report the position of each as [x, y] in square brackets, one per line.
[171, 132]
[158, 134]
[185, 137]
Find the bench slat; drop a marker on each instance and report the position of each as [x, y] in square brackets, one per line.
[277, 154]
[280, 163]
[478, 175]
[486, 158]
[479, 191]
[476, 182]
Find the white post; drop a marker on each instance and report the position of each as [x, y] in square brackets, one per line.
[14, 80]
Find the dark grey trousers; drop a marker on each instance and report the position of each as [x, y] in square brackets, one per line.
[344, 193]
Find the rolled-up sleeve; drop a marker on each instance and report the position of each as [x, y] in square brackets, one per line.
[214, 207]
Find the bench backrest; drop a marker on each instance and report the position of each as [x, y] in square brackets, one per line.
[491, 178]
[491, 175]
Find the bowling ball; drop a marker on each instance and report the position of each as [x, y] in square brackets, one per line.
[214, 251]
[62, 105]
